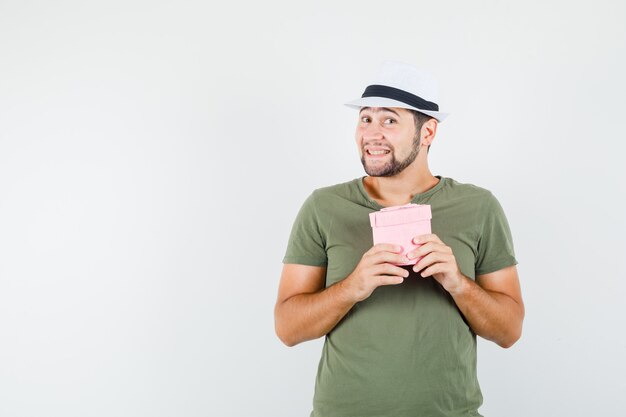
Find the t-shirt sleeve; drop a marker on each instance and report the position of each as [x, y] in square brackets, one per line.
[306, 243]
[495, 243]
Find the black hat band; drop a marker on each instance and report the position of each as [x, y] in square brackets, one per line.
[400, 95]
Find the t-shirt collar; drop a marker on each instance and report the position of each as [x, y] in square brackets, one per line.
[415, 200]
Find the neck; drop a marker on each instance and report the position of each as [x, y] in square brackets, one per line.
[400, 189]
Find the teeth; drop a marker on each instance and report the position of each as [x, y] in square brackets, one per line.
[377, 152]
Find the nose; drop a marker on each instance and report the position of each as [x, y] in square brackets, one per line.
[372, 132]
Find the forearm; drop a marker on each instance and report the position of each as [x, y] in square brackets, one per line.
[309, 316]
[491, 315]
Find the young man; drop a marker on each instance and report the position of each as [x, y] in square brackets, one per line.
[400, 340]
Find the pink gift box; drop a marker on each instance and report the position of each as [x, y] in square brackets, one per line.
[398, 225]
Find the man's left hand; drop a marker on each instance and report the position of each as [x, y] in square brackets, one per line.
[438, 261]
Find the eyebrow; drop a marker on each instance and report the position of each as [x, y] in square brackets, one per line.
[383, 109]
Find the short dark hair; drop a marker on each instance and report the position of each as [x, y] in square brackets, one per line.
[420, 118]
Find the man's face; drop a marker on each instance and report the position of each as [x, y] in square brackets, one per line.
[387, 140]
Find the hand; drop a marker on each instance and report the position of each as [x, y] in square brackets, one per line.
[375, 269]
[437, 261]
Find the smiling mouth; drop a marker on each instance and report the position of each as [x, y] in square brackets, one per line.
[377, 154]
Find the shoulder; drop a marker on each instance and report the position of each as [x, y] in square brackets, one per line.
[488, 213]
[339, 190]
[467, 192]
[324, 199]
[479, 203]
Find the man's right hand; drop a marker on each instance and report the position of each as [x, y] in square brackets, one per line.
[306, 310]
[376, 268]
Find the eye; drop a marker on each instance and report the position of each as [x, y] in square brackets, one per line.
[391, 120]
[364, 119]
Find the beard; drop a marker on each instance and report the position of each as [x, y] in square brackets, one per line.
[394, 166]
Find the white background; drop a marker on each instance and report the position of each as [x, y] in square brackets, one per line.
[153, 156]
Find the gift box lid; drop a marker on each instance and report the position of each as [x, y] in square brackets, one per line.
[407, 213]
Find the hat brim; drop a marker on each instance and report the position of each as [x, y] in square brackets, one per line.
[389, 102]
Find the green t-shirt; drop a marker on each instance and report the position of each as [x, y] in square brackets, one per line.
[406, 350]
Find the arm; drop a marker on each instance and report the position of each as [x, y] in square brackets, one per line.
[305, 310]
[492, 305]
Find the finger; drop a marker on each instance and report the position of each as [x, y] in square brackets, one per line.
[389, 269]
[422, 250]
[431, 270]
[430, 237]
[393, 258]
[443, 265]
[428, 260]
[384, 247]
[426, 248]
[390, 280]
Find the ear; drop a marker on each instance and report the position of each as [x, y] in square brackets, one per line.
[428, 131]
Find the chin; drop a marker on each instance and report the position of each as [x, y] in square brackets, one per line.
[377, 173]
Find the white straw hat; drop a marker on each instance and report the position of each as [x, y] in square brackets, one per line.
[402, 85]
